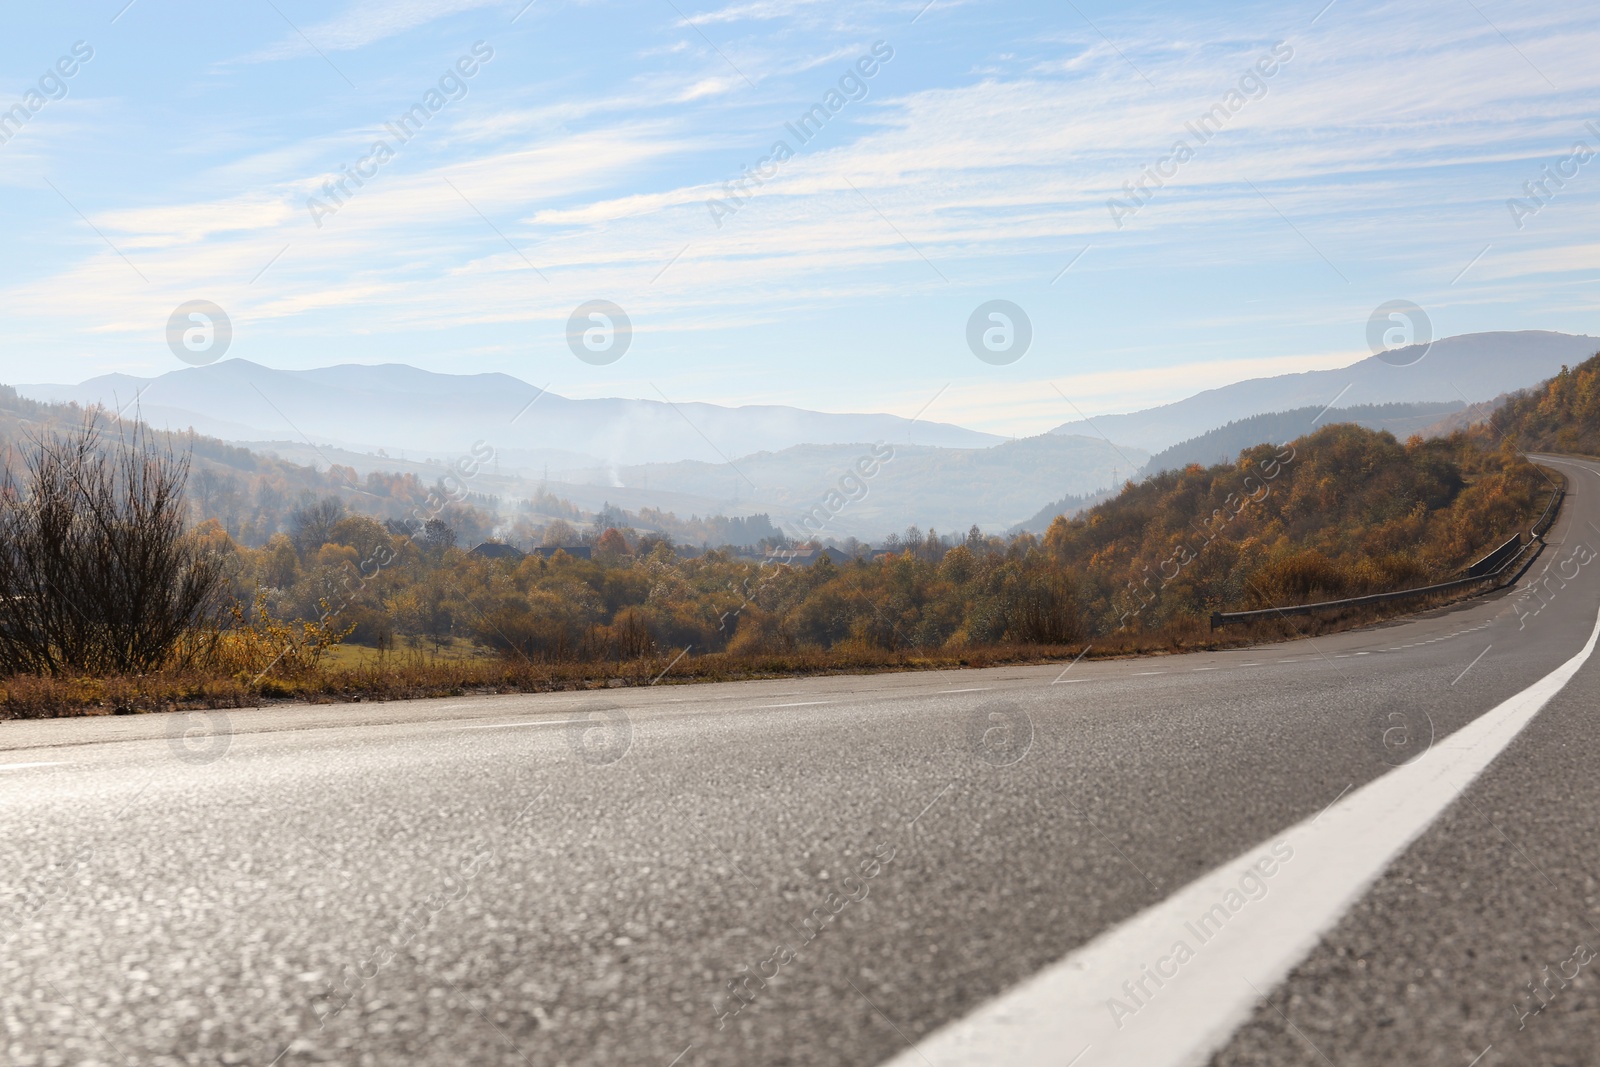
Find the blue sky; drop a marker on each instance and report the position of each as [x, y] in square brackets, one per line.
[1373, 164]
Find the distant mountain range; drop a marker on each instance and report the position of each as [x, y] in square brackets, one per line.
[710, 459]
[1224, 444]
[399, 408]
[1464, 370]
[949, 489]
[941, 487]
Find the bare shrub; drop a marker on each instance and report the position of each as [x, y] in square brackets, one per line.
[97, 571]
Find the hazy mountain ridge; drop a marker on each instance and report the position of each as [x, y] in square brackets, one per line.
[504, 478]
[1467, 369]
[250, 493]
[1224, 444]
[1468, 417]
[1071, 506]
[695, 458]
[945, 488]
[395, 407]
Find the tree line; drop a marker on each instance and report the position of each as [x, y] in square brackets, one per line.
[102, 568]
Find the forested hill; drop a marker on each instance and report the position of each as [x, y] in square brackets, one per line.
[1224, 443]
[254, 495]
[1341, 512]
[251, 495]
[1561, 415]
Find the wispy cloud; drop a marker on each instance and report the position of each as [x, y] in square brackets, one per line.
[760, 10]
[367, 22]
[1390, 141]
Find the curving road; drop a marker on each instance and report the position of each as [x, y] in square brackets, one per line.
[847, 870]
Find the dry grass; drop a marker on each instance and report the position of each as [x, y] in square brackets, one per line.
[411, 674]
[353, 673]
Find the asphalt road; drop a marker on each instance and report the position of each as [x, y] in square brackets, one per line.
[577, 878]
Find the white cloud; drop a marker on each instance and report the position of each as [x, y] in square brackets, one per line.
[1380, 139]
[760, 10]
[367, 22]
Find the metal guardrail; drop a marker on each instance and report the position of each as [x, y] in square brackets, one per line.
[1492, 562]
[1551, 510]
[1535, 540]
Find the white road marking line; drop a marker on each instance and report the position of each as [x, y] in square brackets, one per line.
[801, 704]
[541, 722]
[1146, 674]
[980, 689]
[1198, 669]
[1189, 1013]
[22, 766]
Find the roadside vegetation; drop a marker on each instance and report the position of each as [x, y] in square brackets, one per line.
[114, 598]
[1562, 415]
